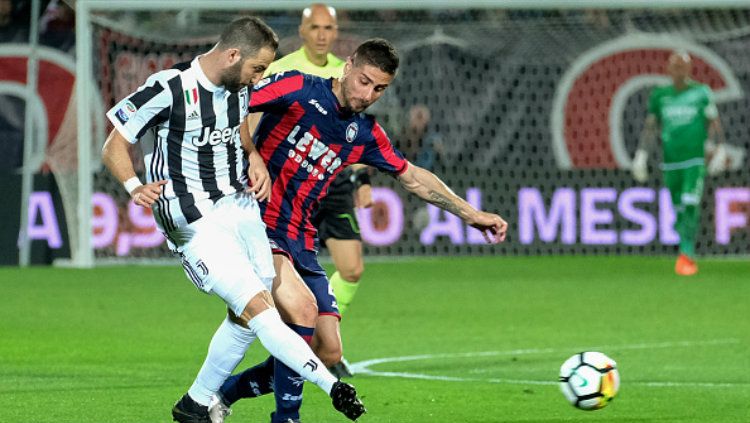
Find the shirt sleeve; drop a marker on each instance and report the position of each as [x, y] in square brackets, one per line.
[142, 110]
[710, 111]
[381, 154]
[276, 92]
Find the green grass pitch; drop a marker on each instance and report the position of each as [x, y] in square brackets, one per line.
[461, 340]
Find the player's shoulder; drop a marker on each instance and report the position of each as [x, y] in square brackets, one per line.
[284, 78]
[705, 88]
[304, 80]
[660, 90]
[369, 124]
[286, 75]
[367, 117]
[164, 76]
[335, 61]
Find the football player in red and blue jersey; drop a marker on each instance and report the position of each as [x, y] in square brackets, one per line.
[311, 129]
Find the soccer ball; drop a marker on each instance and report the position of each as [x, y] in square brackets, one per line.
[589, 380]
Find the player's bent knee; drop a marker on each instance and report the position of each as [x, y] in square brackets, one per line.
[236, 319]
[261, 302]
[352, 274]
[308, 312]
[300, 311]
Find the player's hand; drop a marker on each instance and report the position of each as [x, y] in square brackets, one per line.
[146, 195]
[260, 180]
[718, 160]
[640, 166]
[492, 226]
[363, 197]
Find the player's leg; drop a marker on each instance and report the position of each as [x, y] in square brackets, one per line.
[675, 182]
[290, 349]
[327, 343]
[241, 273]
[327, 339]
[339, 231]
[298, 308]
[347, 258]
[297, 305]
[205, 266]
[692, 193]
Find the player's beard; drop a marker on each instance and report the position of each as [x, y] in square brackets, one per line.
[352, 104]
[231, 78]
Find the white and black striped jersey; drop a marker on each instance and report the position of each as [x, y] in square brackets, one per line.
[196, 143]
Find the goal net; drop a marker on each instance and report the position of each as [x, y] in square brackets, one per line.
[534, 114]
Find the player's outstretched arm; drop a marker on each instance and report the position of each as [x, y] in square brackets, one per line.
[116, 157]
[427, 186]
[260, 180]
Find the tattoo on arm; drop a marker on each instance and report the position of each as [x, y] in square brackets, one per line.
[444, 203]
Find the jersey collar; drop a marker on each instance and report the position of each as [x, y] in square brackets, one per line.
[201, 76]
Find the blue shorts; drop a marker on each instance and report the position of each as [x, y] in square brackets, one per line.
[306, 264]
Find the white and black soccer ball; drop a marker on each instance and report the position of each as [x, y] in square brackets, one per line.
[589, 380]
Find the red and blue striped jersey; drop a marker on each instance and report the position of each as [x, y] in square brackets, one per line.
[306, 140]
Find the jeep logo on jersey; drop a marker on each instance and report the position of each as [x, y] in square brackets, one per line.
[216, 137]
[308, 149]
[351, 131]
[590, 100]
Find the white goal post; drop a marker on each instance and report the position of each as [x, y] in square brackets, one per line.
[86, 10]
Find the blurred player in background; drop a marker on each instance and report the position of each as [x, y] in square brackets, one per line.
[336, 221]
[196, 187]
[312, 128]
[687, 115]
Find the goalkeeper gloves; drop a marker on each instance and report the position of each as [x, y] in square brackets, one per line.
[639, 167]
[718, 162]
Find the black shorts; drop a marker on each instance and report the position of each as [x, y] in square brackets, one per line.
[337, 224]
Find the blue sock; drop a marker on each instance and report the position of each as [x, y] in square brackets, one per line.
[252, 382]
[287, 384]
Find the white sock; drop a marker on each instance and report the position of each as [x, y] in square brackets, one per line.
[290, 348]
[225, 352]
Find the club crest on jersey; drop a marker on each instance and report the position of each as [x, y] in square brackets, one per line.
[351, 131]
[244, 100]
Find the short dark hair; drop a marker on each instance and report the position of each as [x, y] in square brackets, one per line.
[379, 53]
[248, 34]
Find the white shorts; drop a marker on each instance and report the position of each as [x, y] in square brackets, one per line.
[226, 252]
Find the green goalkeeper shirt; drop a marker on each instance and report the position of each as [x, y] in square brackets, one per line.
[684, 116]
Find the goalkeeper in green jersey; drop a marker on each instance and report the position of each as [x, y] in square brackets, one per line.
[687, 116]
